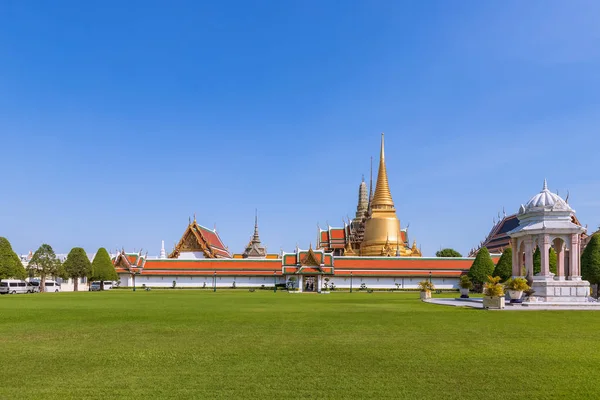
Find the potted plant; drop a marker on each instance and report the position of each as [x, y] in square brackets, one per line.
[516, 287]
[426, 287]
[493, 293]
[465, 285]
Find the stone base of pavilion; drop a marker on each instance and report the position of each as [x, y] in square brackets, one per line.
[550, 289]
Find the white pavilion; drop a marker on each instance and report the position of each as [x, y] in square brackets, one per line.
[547, 220]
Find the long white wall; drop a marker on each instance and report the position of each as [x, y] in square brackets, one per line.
[391, 283]
[199, 281]
[258, 281]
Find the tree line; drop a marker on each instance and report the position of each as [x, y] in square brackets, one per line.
[44, 264]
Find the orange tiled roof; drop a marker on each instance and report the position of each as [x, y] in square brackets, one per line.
[407, 263]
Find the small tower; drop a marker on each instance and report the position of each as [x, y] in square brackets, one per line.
[163, 253]
[255, 249]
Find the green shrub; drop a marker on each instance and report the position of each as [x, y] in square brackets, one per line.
[465, 282]
[590, 261]
[482, 267]
[504, 267]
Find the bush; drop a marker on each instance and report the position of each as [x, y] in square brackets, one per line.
[482, 267]
[465, 282]
[590, 261]
[504, 267]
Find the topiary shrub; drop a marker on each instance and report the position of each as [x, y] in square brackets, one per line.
[482, 267]
[590, 261]
[504, 267]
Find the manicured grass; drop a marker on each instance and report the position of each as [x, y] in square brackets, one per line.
[199, 344]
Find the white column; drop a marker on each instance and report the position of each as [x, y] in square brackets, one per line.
[560, 261]
[319, 283]
[574, 264]
[528, 256]
[300, 283]
[516, 268]
[544, 253]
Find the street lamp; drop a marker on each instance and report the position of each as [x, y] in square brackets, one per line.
[133, 273]
[215, 282]
[274, 281]
[350, 281]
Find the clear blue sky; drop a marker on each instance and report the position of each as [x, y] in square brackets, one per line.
[119, 122]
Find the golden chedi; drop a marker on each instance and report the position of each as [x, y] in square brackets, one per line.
[382, 235]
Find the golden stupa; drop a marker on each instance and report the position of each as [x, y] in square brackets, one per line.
[382, 228]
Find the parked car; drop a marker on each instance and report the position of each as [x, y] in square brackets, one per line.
[33, 286]
[13, 286]
[95, 286]
[52, 286]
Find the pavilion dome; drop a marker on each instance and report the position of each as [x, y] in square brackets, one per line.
[545, 200]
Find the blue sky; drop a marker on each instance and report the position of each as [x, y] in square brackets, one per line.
[118, 123]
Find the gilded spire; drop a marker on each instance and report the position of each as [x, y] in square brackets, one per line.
[382, 199]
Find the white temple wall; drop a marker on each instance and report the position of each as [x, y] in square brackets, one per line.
[392, 283]
[200, 281]
[258, 281]
[190, 255]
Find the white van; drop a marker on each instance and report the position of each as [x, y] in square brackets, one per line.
[52, 286]
[14, 286]
[95, 286]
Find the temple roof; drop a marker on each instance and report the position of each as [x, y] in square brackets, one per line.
[198, 238]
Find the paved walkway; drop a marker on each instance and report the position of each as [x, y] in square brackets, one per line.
[477, 302]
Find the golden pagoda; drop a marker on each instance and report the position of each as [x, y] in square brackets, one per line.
[382, 235]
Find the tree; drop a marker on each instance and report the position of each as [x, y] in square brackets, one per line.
[103, 268]
[77, 265]
[537, 260]
[504, 267]
[10, 264]
[590, 261]
[482, 267]
[448, 253]
[44, 263]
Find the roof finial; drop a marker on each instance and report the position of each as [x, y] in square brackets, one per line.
[194, 217]
[545, 185]
[567, 199]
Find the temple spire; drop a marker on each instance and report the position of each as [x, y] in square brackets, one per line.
[545, 185]
[255, 249]
[382, 199]
[255, 237]
[163, 253]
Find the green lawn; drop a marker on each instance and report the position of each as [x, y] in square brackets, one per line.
[199, 344]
